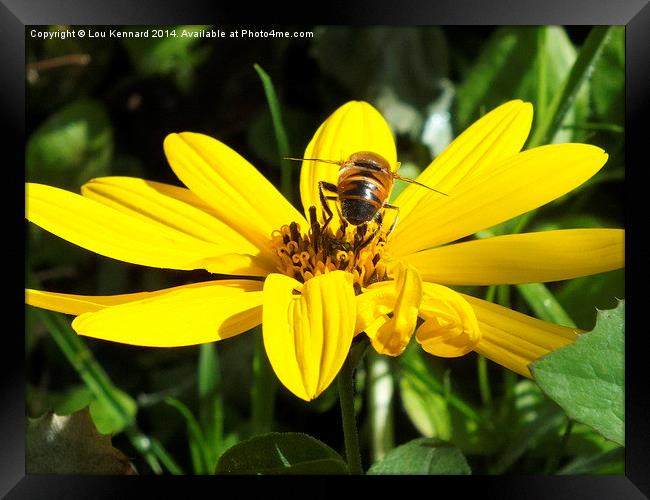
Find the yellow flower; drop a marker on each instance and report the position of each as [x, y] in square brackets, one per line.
[318, 289]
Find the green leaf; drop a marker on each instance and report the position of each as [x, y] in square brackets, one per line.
[545, 421]
[260, 135]
[72, 400]
[105, 417]
[427, 410]
[177, 56]
[514, 64]
[117, 408]
[198, 449]
[609, 462]
[72, 146]
[566, 95]
[279, 130]
[585, 441]
[281, 453]
[58, 444]
[423, 456]
[62, 69]
[587, 378]
[424, 378]
[544, 304]
[436, 408]
[608, 79]
[399, 70]
[580, 295]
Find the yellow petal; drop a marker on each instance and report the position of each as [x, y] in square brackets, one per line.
[401, 297]
[79, 304]
[355, 126]
[259, 262]
[180, 193]
[145, 199]
[110, 232]
[237, 192]
[523, 258]
[307, 335]
[155, 203]
[450, 328]
[514, 186]
[499, 134]
[183, 316]
[515, 340]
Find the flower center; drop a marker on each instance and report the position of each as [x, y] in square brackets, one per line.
[355, 249]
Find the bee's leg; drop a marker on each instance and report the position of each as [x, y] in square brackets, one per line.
[392, 226]
[322, 187]
[379, 219]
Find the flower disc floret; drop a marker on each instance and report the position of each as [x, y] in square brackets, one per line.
[322, 249]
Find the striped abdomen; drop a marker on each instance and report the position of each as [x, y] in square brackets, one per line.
[365, 182]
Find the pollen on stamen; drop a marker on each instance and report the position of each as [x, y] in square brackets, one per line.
[323, 248]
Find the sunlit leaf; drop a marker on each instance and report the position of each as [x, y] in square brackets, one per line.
[427, 410]
[72, 400]
[72, 146]
[105, 417]
[587, 378]
[565, 97]
[423, 456]
[608, 79]
[507, 68]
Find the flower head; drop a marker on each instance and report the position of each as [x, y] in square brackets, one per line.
[317, 281]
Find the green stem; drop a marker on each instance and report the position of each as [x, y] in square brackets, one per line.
[210, 400]
[143, 444]
[541, 76]
[166, 459]
[153, 452]
[85, 364]
[433, 385]
[484, 381]
[264, 388]
[380, 405]
[350, 434]
[96, 379]
[198, 449]
[544, 304]
[554, 459]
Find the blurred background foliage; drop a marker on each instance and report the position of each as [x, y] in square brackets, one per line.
[99, 107]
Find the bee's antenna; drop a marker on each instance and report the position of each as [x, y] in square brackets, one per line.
[406, 179]
[314, 159]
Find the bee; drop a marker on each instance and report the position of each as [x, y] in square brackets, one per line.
[364, 184]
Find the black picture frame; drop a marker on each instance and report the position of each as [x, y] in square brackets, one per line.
[15, 15]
